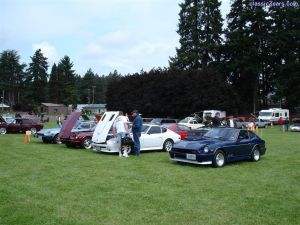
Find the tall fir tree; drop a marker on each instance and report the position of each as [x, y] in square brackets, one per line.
[200, 30]
[87, 85]
[37, 78]
[246, 51]
[285, 44]
[55, 86]
[66, 75]
[11, 77]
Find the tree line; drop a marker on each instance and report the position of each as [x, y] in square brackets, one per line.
[247, 62]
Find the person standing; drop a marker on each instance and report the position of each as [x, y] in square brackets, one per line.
[216, 121]
[281, 124]
[120, 128]
[58, 121]
[286, 124]
[137, 125]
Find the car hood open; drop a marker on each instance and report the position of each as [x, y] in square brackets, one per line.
[65, 131]
[104, 125]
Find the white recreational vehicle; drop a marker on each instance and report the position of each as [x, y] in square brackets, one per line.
[273, 114]
[213, 113]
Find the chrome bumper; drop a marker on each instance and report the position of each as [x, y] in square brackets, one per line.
[191, 161]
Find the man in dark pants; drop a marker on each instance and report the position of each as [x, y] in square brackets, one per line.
[137, 125]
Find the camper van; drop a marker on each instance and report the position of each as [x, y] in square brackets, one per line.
[273, 114]
[213, 113]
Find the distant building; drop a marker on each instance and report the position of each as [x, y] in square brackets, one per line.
[55, 109]
[4, 107]
[94, 108]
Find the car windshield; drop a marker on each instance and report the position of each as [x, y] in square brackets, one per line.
[185, 120]
[222, 134]
[156, 121]
[265, 114]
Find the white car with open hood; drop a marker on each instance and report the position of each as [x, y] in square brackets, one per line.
[153, 137]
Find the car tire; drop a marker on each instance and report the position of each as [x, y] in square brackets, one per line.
[266, 126]
[33, 130]
[255, 155]
[56, 139]
[168, 144]
[86, 143]
[2, 130]
[219, 159]
[128, 148]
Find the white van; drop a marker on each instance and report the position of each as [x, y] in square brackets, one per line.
[273, 114]
[213, 113]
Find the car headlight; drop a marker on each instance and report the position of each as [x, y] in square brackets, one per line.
[206, 149]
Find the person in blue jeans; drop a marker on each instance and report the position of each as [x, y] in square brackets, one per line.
[137, 125]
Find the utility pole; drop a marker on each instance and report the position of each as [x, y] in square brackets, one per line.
[2, 100]
[88, 95]
[93, 93]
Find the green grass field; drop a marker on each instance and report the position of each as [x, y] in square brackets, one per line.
[51, 184]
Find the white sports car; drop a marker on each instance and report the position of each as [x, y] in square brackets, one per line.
[153, 137]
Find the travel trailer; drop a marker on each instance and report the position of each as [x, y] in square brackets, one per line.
[213, 113]
[273, 114]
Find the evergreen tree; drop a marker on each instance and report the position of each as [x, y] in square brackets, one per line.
[88, 83]
[200, 30]
[37, 78]
[55, 86]
[246, 51]
[11, 77]
[285, 45]
[67, 79]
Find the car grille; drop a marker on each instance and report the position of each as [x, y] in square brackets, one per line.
[179, 150]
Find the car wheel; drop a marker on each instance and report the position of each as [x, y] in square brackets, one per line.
[219, 159]
[255, 156]
[2, 130]
[128, 148]
[266, 126]
[33, 130]
[168, 145]
[87, 143]
[56, 139]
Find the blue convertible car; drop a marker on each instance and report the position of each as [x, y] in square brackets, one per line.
[218, 146]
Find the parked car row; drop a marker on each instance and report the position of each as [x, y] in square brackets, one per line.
[204, 145]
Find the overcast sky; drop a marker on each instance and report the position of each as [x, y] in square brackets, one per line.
[126, 35]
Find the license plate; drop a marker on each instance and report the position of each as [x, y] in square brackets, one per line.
[191, 156]
[40, 137]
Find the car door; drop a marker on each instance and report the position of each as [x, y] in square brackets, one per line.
[243, 144]
[153, 138]
[14, 127]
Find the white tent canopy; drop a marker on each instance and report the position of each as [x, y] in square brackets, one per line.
[2, 105]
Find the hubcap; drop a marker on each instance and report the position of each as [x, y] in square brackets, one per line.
[169, 146]
[57, 140]
[220, 159]
[87, 144]
[256, 155]
[2, 131]
[33, 130]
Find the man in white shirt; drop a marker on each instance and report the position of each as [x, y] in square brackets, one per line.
[120, 128]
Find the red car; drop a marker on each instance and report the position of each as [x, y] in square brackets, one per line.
[182, 130]
[20, 125]
[83, 139]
